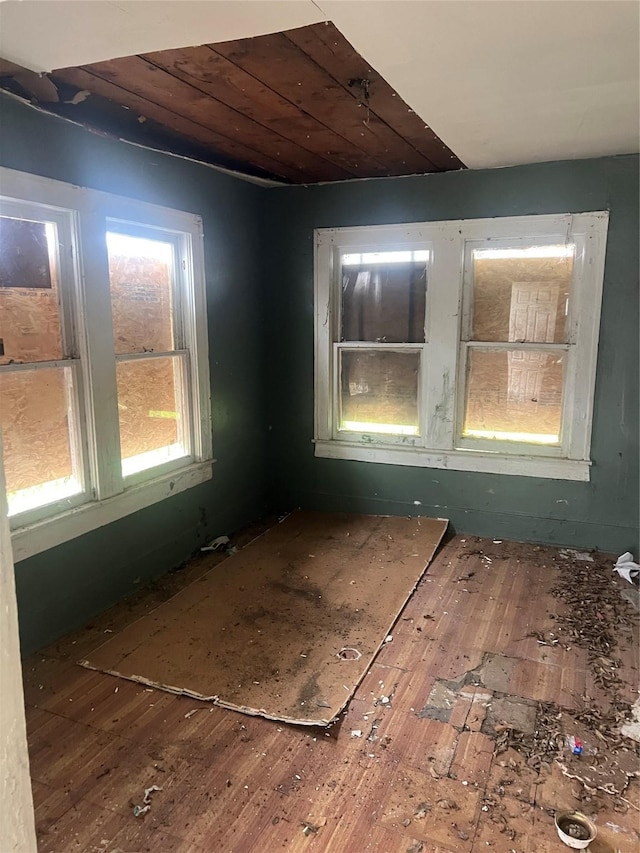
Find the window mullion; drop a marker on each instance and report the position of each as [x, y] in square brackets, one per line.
[96, 344]
[325, 329]
[334, 397]
[443, 322]
[71, 313]
[179, 289]
[194, 336]
[584, 323]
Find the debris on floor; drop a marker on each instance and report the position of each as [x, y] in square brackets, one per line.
[139, 811]
[500, 708]
[348, 654]
[510, 713]
[627, 568]
[440, 702]
[572, 554]
[218, 544]
[594, 618]
[631, 728]
[590, 746]
[602, 771]
[313, 825]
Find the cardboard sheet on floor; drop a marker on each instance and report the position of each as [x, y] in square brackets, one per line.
[270, 631]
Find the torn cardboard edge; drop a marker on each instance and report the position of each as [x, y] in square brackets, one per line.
[259, 712]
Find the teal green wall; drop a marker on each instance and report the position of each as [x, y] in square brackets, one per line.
[259, 266]
[602, 513]
[62, 588]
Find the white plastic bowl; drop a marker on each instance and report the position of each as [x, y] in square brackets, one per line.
[579, 818]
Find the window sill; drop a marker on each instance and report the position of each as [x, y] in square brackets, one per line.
[457, 460]
[40, 536]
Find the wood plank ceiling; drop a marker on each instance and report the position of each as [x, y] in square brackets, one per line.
[300, 106]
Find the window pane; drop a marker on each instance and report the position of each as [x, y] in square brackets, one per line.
[379, 392]
[29, 304]
[384, 300]
[152, 429]
[522, 294]
[38, 427]
[141, 276]
[514, 395]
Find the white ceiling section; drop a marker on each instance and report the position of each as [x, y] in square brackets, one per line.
[510, 82]
[502, 82]
[47, 34]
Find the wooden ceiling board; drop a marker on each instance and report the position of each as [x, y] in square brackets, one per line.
[286, 69]
[84, 81]
[99, 105]
[211, 73]
[326, 45]
[299, 107]
[7, 68]
[139, 77]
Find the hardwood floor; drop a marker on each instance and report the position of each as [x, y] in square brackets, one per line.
[419, 763]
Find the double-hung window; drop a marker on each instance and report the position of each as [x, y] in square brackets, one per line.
[104, 381]
[468, 345]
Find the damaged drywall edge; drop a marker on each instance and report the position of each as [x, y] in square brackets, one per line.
[267, 183]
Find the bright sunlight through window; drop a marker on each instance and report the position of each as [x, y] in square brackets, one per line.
[139, 247]
[529, 437]
[530, 252]
[384, 258]
[384, 429]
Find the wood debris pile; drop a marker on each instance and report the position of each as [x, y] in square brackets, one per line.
[542, 746]
[595, 617]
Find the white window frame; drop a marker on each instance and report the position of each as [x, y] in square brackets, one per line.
[83, 217]
[447, 340]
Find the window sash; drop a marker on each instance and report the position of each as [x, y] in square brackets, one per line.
[185, 432]
[377, 437]
[69, 298]
[179, 284]
[66, 259]
[180, 287]
[502, 446]
[77, 442]
[582, 231]
[109, 477]
[574, 233]
[339, 250]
